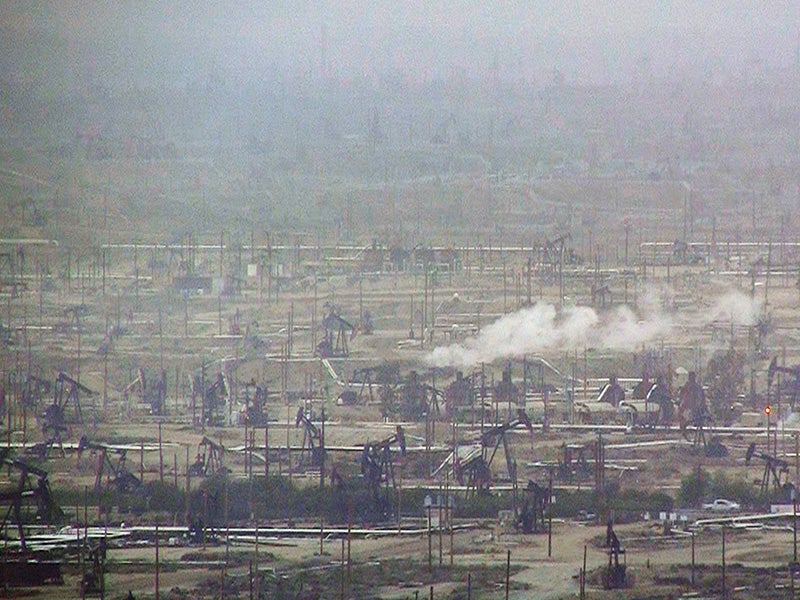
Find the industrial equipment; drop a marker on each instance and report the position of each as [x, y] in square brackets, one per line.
[776, 472]
[255, 398]
[337, 332]
[790, 388]
[377, 467]
[154, 394]
[53, 420]
[615, 576]
[214, 399]
[387, 374]
[531, 515]
[475, 470]
[654, 409]
[313, 451]
[209, 459]
[412, 400]
[34, 390]
[506, 390]
[694, 418]
[30, 487]
[612, 392]
[116, 474]
[93, 580]
[574, 464]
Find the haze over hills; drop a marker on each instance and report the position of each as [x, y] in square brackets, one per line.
[288, 114]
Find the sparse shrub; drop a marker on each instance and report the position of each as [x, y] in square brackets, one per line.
[694, 488]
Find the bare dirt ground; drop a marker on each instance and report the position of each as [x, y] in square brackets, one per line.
[688, 297]
[649, 555]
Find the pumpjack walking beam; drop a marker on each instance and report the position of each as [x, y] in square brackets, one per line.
[313, 443]
[377, 467]
[26, 490]
[475, 472]
[118, 474]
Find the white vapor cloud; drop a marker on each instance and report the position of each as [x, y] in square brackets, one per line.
[736, 307]
[542, 327]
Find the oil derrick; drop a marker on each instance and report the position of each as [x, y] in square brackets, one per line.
[30, 488]
[156, 395]
[34, 391]
[366, 325]
[552, 257]
[372, 258]
[442, 135]
[313, 452]
[475, 470]
[73, 319]
[377, 468]
[11, 273]
[534, 370]
[116, 474]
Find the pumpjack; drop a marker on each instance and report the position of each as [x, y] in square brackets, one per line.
[365, 378]
[475, 471]
[116, 474]
[701, 420]
[153, 394]
[575, 464]
[313, 441]
[31, 486]
[214, 398]
[93, 580]
[255, 398]
[459, 393]
[790, 389]
[535, 499]
[209, 459]
[54, 421]
[412, 401]
[377, 467]
[506, 390]
[615, 577]
[776, 472]
[337, 332]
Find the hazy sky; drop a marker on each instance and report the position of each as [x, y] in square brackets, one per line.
[587, 41]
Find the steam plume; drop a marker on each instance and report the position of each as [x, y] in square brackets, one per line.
[736, 307]
[541, 327]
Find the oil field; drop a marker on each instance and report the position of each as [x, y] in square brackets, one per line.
[344, 324]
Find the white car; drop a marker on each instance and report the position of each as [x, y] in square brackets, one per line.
[722, 505]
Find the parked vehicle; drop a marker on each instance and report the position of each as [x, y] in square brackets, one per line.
[722, 505]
